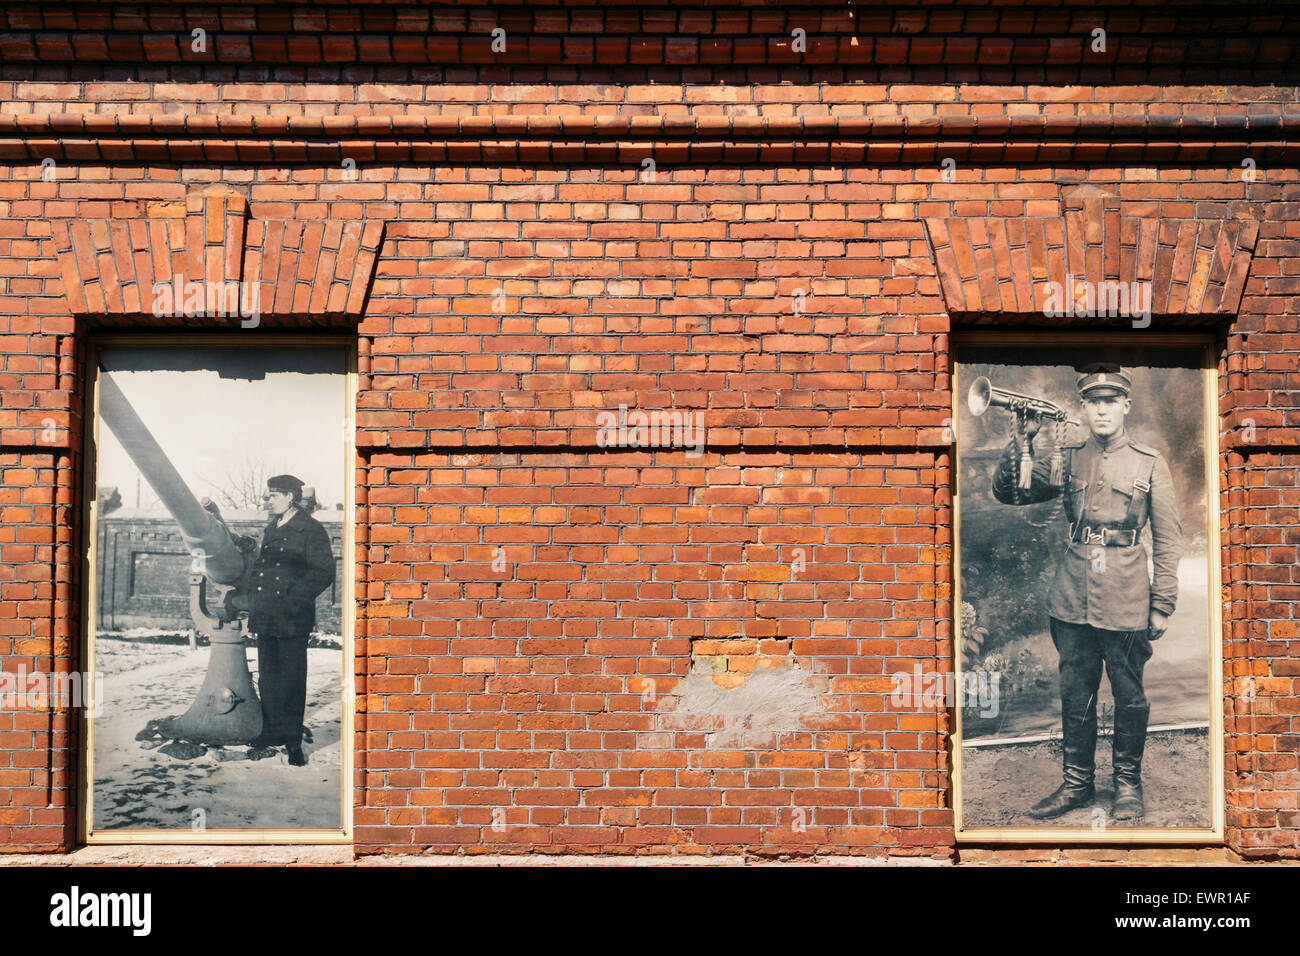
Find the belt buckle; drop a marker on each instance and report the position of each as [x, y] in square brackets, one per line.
[1092, 537]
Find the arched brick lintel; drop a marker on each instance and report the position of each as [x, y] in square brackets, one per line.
[1009, 265]
[197, 260]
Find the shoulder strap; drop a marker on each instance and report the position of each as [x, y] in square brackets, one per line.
[1141, 488]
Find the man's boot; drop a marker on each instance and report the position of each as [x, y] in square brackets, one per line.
[1126, 758]
[293, 747]
[1078, 747]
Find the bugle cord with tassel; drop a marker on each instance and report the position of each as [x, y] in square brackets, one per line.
[1028, 409]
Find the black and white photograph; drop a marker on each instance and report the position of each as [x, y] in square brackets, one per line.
[1086, 582]
[218, 596]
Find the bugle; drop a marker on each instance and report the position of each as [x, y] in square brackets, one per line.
[984, 395]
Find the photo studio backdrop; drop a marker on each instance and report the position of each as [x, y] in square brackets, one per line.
[529, 222]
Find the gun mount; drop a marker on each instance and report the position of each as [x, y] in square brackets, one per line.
[226, 710]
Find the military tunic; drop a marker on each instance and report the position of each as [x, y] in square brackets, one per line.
[1111, 492]
[294, 565]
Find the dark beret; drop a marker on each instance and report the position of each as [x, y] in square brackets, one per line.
[285, 483]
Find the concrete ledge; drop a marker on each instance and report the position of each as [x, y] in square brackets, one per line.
[343, 856]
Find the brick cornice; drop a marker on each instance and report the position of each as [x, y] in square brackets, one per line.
[1196, 267]
[1226, 126]
[1220, 136]
[282, 267]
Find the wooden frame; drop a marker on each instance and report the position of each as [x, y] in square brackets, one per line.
[86, 750]
[1145, 835]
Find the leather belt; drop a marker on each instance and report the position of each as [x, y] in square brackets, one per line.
[1106, 537]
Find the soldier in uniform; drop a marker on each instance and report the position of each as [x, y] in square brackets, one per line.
[1103, 606]
[294, 565]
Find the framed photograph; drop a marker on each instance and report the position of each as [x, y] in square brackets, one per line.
[219, 589]
[1088, 640]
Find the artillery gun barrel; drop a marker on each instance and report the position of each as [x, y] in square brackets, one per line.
[201, 531]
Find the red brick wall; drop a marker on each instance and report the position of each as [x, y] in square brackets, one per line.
[553, 685]
[476, 425]
[1262, 674]
[36, 560]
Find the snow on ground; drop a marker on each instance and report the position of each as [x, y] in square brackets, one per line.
[137, 787]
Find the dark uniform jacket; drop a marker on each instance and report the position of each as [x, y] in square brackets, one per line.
[1110, 494]
[295, 564]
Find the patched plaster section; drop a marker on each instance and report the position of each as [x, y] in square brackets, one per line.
[772, 700]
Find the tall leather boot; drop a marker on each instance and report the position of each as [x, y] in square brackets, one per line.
[1126, 758]
[1078, 753]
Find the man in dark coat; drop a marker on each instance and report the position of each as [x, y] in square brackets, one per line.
[1104, 607]
[294, 565]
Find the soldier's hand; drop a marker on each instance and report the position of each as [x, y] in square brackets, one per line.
[239, 601]
[1158, 622]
